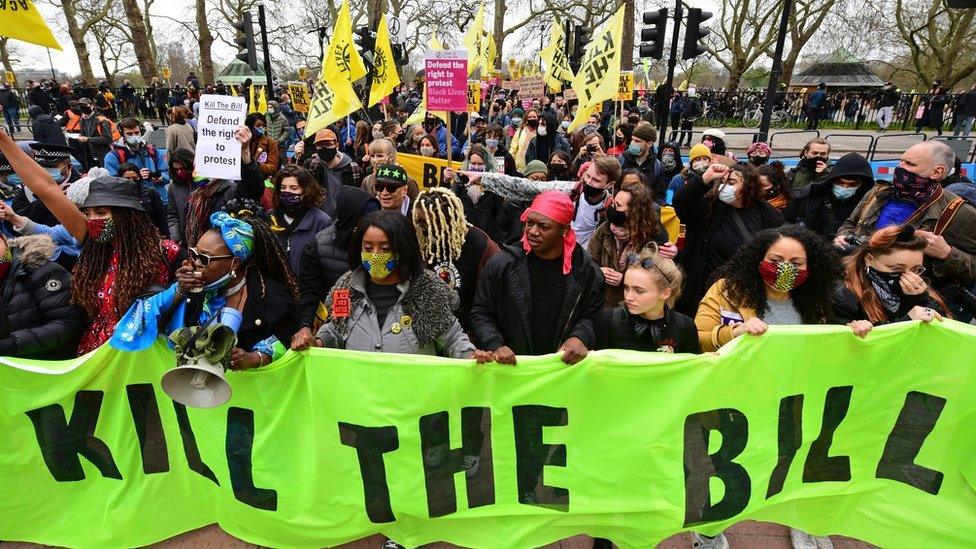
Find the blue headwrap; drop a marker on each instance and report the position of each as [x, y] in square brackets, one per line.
[237, 234]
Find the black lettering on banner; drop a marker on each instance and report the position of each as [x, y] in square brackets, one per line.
[441, 462]
[61, 441]
[239, 448]
[432, 175]
[370, 444]
[819, 466]
[190, 449]
[149, 427]
[914, 424]
[700, 466]
[532, 455]
[790, 438]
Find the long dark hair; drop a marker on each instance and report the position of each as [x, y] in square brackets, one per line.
[403, 242]
[268, 255]
[776, 173]
[183, 156]
[751, 191]
[313, 195]
[745, 288]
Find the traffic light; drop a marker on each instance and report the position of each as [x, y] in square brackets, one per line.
[652, 35]
[694, 34]
[581, 37]
[245, 41]
[366, 41]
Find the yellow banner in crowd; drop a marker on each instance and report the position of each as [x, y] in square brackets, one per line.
[426, 171]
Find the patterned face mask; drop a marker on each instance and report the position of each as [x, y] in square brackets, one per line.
[910, 187]
[102, 229]
[782, 275]
[379, 264]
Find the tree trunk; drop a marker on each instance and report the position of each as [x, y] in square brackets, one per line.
[153, 51]
[204, 41]
[499, 32]
[627, 59]
[140, 39]
[5, 58]
[789, 65]
[78, 41]
[735, 76]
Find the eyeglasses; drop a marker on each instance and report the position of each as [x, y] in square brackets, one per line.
[647, 263]
[204, 259]
[381, 186]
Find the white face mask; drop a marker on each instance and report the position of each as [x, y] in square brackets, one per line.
[542, 132]
[727, 193]
[700, 166]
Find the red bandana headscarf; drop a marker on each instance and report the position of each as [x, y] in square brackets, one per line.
[558, 207]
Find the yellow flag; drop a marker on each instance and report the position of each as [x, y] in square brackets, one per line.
[600, 68]
[252, 104]
[385, 77]
[554, 56]
[343, 59]
[20, 20]
[262, 101]
[472, 40]
[233, 90]
[489, 53]
[331, 101]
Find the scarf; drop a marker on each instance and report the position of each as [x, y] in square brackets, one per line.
[558, 207]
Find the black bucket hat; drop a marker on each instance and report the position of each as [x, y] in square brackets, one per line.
[113, 192]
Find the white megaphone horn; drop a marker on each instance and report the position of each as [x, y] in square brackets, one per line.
[198, 384]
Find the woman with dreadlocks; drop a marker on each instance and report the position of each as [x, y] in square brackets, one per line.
[192, 198]
[237, 264]
[121, 253]
[453, 248]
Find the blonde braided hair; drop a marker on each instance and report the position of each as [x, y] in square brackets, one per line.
[442, 236]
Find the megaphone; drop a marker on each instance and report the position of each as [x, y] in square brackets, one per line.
[198, 384]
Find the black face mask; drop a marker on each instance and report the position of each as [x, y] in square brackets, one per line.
[891, 281]
[76, 111]
[758, 160]
[591, 192]
[557, 170]
[616, 217]
[811, 162]
[327, 155]
[532, 123]
[86, 110]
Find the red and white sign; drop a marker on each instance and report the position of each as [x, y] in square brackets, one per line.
[447, 80]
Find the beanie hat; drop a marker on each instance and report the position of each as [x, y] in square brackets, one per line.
[699, 151]
[712, 132]
[535, 166]
[645, 132]
[759, 149]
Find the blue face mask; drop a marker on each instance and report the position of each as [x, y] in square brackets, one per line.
[843, 193]
[634, 149]
[15, 180]
[55, 173]
[259, 131]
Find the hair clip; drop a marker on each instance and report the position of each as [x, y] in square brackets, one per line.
[907, 233]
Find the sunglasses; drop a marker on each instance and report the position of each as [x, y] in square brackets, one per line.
[647, 263]
[381, 186]
[204, 259]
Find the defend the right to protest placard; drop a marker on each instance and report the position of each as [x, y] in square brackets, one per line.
[218, 153]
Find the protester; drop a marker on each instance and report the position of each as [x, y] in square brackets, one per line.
[134, 149]
[496, 145]
[699, 158]
[150, 199]
[11, 107]
[887, 99]
[547, 274]
[592, 196]
[774, 184]
[589, 145]
[331, 168]
[383, 151]
[632, 226]
[721, 210]
[392, 189]
[428, 147]
[56, 160]
[297, 217]
[179, 134]
[435, 126]
[558, 168]
[916, 198]
[645, 320]
[714, 139]
[670, 158]
[884, 283]
[279, 128]
[621, 138]
[814, 164]
[965, 112]
[39, 320]
[640, 155]
[546, 141]
[194, 199]
[237, 264]
[411, 144]
[395, 305]
[523, 136]
[97, 134]
[759, 153]
[452, 248]
[264, 149]
[480, 191]
[782, 276]
[824, 205]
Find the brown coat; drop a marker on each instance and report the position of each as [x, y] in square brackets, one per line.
[605, 250]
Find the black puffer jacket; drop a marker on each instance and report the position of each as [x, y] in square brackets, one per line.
[37, 319]
[501, 315]
[325, 258]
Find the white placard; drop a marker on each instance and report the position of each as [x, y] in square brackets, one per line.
[398, 29]
[218, 154]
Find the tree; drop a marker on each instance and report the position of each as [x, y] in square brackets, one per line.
[746, 30]
[139, 36]
[805, 22]
[204, 41]
[940, 42]
[7, 49]
[80, 17]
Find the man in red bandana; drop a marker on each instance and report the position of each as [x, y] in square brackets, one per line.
[540, 296]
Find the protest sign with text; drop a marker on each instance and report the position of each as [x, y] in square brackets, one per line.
[447, 80]
[218, 153]
[300, 97]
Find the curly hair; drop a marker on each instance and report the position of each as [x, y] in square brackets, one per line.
[312, 193]
[750, 193]
[745, 288]
[137, 241]
[442, 234]
[268, 256]
[642, 219]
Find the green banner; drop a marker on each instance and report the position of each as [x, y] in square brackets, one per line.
[805, 426]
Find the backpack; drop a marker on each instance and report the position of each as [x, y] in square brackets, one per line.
[121, 153]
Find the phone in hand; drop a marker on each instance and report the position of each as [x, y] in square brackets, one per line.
[462, 178]
[591, 148]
